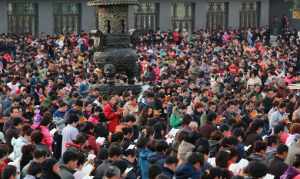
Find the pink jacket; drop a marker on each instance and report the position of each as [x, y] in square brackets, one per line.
[47, 137]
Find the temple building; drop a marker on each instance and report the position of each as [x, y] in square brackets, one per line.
[63, 16]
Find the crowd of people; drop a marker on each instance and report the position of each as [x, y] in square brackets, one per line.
[214, 105]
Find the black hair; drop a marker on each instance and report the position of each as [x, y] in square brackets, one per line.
[112, 171]
[69, 155]
[36, 136]
[26, 130]
[142, 142]
[116, 137]
[81, 158]
[154, 171]
[72, 118]
[27, 155]
[37, 154]
[222, 157]
[282, 148]
[114, 150]
[9, 171]
[129, 118]
[195, 157]
[47, 118]
[34, 169]
[278, 128]
[186, 119]
[17, 121]
[272, 140]
[171, 160]
[4, 149]
[121, 164]
[127, 130]
[259, 146]
[161, 146]
[296, 162]
[256, 169]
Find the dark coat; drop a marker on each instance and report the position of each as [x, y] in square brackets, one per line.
[277, 167]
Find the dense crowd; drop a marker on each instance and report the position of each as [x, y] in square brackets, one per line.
[214, 105]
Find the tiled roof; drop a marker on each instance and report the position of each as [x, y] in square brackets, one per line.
[111, 2]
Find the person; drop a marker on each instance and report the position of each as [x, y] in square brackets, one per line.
[158, 157]
[4, 160]
[67, 169]
[114, 154]
[34, 171]
[112, 173]
[192, 168]
[256, 169]
[9, 172]
[50, 169]
[170, 166]
[19, 142]
[39, 156]
[259, 153]
[154, 171]
[277, 166]
[112, 114]
[278, 116]
[36, 139]
[294, 150]
[69, 132]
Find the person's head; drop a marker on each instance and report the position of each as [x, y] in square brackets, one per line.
[282, 107]
[113, 100]
[196, 159]
[70, 159]
[40, 156]
[161, 146]
[112, 172]
[36, 137]
[171, 163]
[260, 147]
[78, 105]
[296, 162]
[273, 141]
[4, 150]
[72, 119]
[47, 118]
[26, 131]
[154, 171]
[9, 172]
[128, 132]
[63, 107]
[129, 119]
[278, 129]
[256, 169]
[282, 151]
[35, 169]
[15, 112]
[114, 152]
[50, 166]
[186, 120]
[17, 122]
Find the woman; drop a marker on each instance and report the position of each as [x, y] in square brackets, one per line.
[50, 169]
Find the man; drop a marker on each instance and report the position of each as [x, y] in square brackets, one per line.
[112, 114]
[114, 154]
[112, 172]
[67, 169]
[259, 153]
[39, 156]
[170, 166]
[294, 150]
[278, 116]
[192, 168]
[277, 166]
[70, 132]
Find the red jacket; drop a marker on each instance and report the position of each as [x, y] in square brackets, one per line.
[112, 117]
